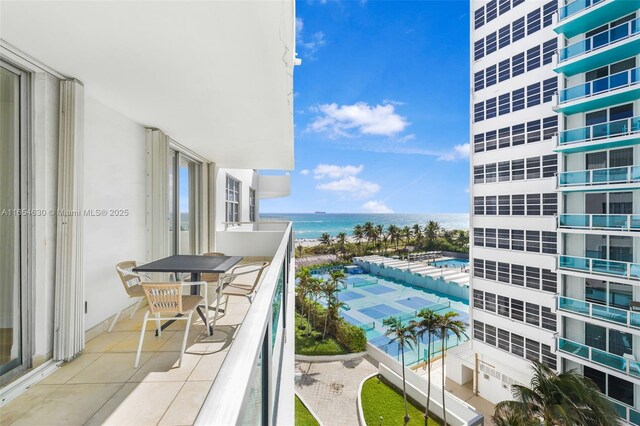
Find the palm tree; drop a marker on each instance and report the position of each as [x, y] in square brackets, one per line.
[394, 235]
[358, 234]
[300, 250]
[406, 233]
[302, 286]
[431, 232]
[403, 335]
[378, 233]
[368, 228]
[341, 241]
[315, 289]
[417, 233]
[330, 289]
[448, 325]
[556, 400]
[326, 240]
[428, 323]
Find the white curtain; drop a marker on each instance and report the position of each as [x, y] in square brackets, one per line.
[69, 287]
[157, 217]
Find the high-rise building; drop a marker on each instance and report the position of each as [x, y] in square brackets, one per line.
[555, 178]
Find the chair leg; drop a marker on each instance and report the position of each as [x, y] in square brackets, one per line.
[215, 317]
[206, 310]
[115, 320]
[184, 339]
[144, 328]
[158, 325]
[136, 308]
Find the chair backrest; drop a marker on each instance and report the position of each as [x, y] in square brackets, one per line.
[253, 267]
[211, 276]
[163, 297]
[126, 274]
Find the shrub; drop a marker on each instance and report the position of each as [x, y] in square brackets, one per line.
[349, 335]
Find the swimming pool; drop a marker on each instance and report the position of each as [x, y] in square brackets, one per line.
[452, 263]
[370, 299]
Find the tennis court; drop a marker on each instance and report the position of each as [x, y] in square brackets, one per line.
[372, 299]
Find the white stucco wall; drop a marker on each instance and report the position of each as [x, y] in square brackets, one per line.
[114, 178]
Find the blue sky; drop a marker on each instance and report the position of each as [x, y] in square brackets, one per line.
[380, 108]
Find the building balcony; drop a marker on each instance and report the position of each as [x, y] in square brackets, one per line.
[619, 364]
[604, 48]
[600, 312]
[603, 135]
[602, 92]
[585, 180]
[628, 414]
[217, 380]
[582, 15]
[612, 222]
[591, 266]
[274, 186]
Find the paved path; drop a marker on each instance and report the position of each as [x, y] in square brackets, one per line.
[331, 388]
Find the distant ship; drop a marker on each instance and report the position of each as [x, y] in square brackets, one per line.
[321, 212]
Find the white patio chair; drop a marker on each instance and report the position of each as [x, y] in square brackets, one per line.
[242, 280]
[167, 298]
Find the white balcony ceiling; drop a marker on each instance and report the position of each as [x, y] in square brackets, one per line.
[217, 76]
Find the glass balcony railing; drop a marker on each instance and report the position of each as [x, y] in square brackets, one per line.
[575, 7]
[610, 129]
[602, 312]
[614, 268]
[628, 414]
[600, 40]
[622, 222]
[598, 356]
[613, 175]
[600, 85]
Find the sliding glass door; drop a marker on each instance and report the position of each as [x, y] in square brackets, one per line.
[11, 333]
[184, 175]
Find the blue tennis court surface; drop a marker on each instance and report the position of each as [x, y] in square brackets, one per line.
[378, 289]
[379, 311]
[346, 296]
[416, 303]
[371, 299]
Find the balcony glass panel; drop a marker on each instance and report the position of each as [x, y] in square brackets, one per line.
[602, 39]
[575, 7]
[574, 305]
[608, 313]
[574, 348]
[600, 85]
[612, 175]
[634, 417]
[602, 130]
[571, 262]
[609, 267]
[635, 319]
[609, 221]
[634, 368]
[610, 360]
[574, 220]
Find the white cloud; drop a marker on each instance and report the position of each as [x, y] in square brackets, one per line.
[406, 138]
[359, 118]
[351, 185]
[376, 207]
[309, 44]
[304, 172]
[333, 171]
[344, 180]
[459, 152]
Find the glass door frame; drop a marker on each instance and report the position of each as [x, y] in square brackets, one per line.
[194, 203]
[24, 268]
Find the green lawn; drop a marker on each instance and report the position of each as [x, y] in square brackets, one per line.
[379, 399]
[312, 344]
[303, 416]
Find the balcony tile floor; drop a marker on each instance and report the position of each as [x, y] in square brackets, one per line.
[101, 386]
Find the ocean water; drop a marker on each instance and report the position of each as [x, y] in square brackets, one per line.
[312, 225]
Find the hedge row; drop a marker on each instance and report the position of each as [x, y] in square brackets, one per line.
[349, 335]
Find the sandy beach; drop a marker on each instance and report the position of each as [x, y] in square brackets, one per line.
[312, 242]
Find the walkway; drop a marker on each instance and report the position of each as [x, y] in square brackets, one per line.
[331, 388]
